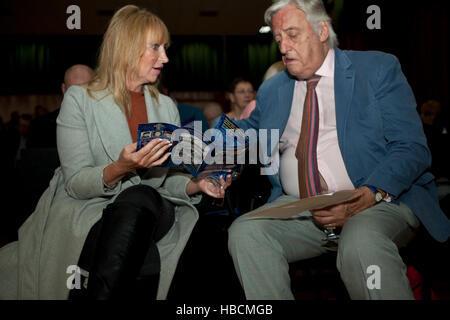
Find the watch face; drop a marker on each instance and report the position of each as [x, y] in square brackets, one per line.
[378, 197]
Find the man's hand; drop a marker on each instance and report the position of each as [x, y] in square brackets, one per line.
[335, 216]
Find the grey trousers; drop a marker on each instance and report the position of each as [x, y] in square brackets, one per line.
[367, 254]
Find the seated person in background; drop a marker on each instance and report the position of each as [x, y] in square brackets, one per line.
[108, 208]
[347, 121]
[15, 141]
[240, 94]
[189, 113]
[14, 145]
[13, 121]
[271, 71]
[39, 111]
[437, 137]
[212, 111]
[40, 159]
[43, 128]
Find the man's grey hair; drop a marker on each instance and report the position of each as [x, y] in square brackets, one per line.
[314, 11]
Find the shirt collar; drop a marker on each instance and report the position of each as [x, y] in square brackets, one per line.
[327, 67]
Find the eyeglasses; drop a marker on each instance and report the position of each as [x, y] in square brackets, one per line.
[244, 92]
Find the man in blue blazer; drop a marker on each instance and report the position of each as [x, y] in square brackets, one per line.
[370, 140]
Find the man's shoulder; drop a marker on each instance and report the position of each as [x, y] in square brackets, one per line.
[276, 81]
[367, 58]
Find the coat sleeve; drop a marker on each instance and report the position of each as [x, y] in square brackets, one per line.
[83, 178]
[407, 155]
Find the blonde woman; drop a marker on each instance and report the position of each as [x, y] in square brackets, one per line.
[109, 210]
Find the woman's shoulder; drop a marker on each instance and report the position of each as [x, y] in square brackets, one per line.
[83, 91]
[76, 90]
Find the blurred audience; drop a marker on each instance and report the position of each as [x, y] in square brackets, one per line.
[211, 112]
[437, 138]
[271, 71]
[31, 157]
[39, 111]
[13, 121]
[429, 112]
[76, 75]
[240, 94]
[43, 128]
[189, 114]
[15, 140]
[2, 125]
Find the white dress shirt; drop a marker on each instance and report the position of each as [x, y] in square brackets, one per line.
[329, 158]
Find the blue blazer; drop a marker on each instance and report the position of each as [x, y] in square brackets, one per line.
[380, 134]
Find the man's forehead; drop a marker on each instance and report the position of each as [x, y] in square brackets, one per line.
[287, 19]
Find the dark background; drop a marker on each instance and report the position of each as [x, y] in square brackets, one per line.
[215, 40]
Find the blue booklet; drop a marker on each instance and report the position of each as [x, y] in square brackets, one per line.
[214, 154]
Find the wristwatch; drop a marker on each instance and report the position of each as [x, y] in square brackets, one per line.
[376, 192]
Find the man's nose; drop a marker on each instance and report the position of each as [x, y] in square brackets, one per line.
[284, 46]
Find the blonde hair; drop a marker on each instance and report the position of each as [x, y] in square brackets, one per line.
[123, 44]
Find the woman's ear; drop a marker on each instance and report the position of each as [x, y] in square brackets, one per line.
[230, 97]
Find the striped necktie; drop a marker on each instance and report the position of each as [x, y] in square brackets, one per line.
[306, 152]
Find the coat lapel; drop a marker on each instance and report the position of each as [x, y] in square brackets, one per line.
[285, 96]
[155, 112]
[112, 125]
[280, 114]
[344, 82]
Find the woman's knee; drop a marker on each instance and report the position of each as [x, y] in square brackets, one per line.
[140, 208]
[139, 195]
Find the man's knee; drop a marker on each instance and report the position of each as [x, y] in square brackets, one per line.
[243, 233]
[362, 246]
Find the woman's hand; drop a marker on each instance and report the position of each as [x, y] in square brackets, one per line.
[213, 188]
[151, 155]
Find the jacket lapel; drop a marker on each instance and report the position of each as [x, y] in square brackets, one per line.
[344, 82]
[112, 125]
[280, 113]
[154, 111]
[285, 96]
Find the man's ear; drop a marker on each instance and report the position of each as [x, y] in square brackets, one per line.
[324, 31]
[63, 88]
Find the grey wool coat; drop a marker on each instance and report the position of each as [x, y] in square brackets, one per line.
[91, 134]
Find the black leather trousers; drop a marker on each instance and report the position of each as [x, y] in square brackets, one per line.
[120, 251]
